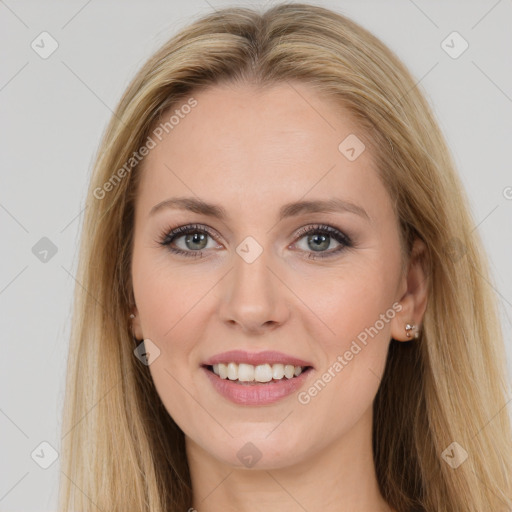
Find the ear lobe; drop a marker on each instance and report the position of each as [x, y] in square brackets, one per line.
[135, 324]
[414, 299]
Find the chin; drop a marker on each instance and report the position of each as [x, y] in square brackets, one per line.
[254, 453]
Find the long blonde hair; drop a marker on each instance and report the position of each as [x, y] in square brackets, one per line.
[120, 448]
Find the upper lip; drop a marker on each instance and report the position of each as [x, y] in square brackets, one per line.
[255, 358]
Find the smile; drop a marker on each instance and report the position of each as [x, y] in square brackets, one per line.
[260, 373]
[253, 391]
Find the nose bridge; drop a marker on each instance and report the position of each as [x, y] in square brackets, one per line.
[253, 296]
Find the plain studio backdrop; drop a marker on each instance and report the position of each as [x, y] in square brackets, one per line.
[64, 68]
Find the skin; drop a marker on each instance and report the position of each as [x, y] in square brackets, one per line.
[252, 151]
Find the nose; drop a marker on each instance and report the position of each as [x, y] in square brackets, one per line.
[253, 297]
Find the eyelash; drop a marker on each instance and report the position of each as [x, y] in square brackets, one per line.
[169, 235]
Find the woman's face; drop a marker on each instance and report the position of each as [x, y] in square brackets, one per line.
[251, 280]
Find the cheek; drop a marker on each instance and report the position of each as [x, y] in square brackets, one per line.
[355, 305]
[171, 307]
[167, 295]
[344, 388]
[350, 299]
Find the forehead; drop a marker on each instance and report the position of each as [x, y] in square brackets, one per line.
[250, 146]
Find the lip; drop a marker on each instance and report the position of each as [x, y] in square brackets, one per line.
[256, 394]
[255, 358]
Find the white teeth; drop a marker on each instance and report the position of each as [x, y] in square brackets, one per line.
[261, 373]
[223, 371]
[278, 371]
[289, 370]
[232, 371]
[245, 372]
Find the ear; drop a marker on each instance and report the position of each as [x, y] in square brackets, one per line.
[413, 292]
[135, 323]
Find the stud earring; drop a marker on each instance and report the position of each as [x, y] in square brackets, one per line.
[409, 328]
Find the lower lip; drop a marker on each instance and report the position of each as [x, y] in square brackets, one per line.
[256, 394]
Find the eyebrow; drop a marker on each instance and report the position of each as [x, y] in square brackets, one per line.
[197, 205]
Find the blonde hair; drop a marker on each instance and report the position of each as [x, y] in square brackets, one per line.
[121, 450]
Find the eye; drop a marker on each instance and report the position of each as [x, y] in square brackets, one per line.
[194, 240]
[318, 238]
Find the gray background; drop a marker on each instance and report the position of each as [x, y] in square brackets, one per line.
[54, 111]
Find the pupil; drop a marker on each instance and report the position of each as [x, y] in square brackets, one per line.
[322, 241]
[195, 239]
